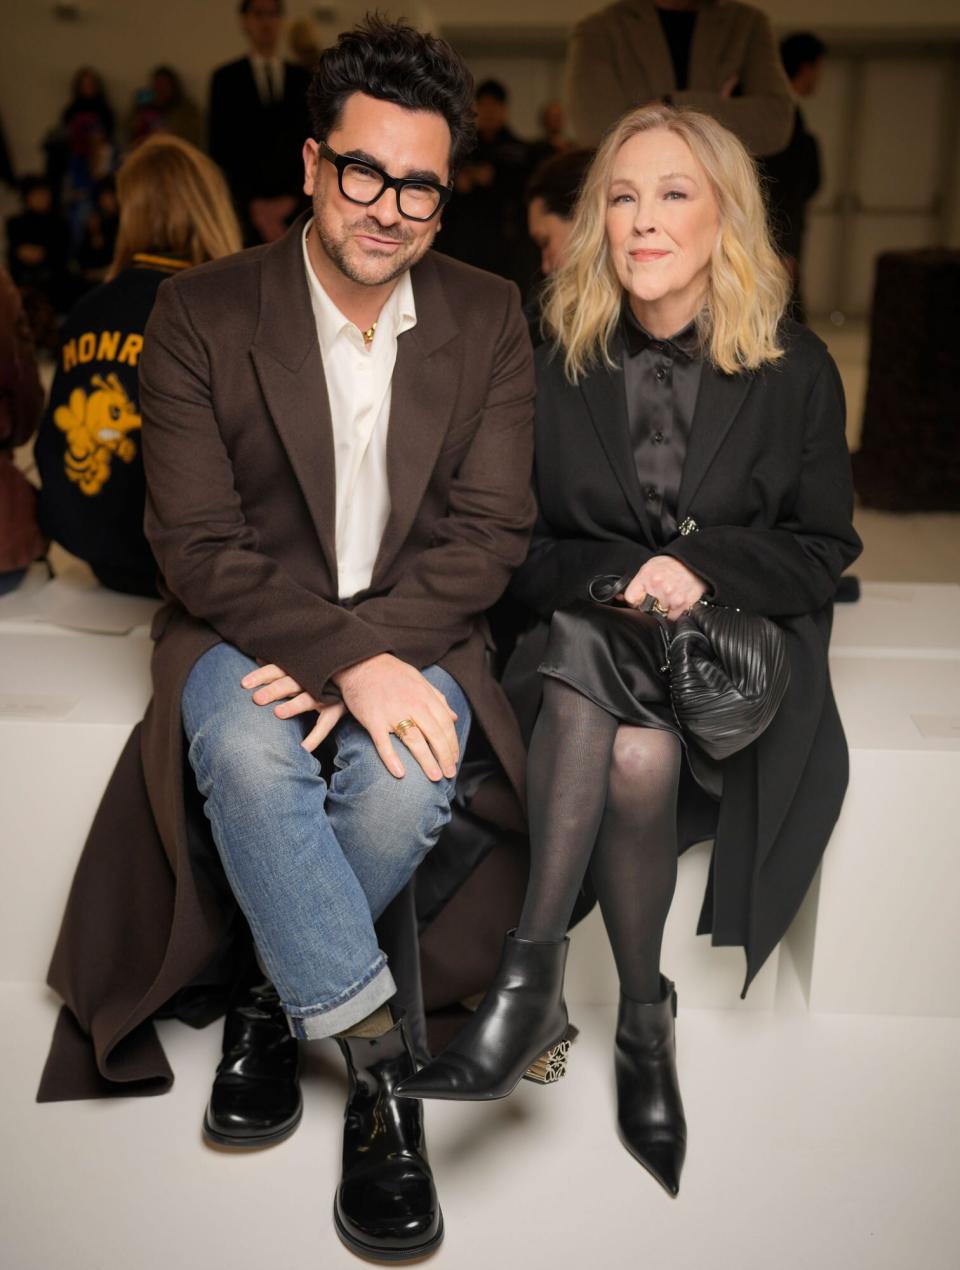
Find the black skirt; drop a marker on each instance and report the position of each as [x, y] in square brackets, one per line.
[616, 657]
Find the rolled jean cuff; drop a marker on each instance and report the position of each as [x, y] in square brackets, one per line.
[313, 1023]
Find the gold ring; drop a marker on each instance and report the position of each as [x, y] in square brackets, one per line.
[659, 608]
[403, 727]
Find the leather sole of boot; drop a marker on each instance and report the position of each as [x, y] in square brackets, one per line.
[251, 1142]
[389, 1256]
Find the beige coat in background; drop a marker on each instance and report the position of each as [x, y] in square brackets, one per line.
[619, 58]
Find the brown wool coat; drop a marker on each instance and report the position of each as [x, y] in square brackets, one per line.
[238, 450]
[619, 58]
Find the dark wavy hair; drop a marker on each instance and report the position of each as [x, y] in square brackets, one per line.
[394, 62]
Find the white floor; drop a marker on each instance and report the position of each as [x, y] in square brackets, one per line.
[815, 1140]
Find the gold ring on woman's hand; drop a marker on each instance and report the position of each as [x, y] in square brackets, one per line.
[660, 608]
[403, 727]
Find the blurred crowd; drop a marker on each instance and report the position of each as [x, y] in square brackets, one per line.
[99, 228]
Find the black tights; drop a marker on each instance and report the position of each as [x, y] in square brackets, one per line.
[603, 795]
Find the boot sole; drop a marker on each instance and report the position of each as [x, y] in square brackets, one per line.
[251, 1143]
[388, 1255]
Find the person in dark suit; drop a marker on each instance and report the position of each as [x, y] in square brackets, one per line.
[257, 121]
[690, 440]
[338, 452]
[792, 177]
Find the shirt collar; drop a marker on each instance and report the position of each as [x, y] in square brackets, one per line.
[399, 312]
[685, 344]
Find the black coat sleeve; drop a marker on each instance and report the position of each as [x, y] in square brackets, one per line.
[558, 571]
[793, 567]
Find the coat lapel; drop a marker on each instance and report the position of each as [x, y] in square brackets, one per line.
[604, 393]
[286, 356]
[426, 379]
[652, 52]
[718, 404]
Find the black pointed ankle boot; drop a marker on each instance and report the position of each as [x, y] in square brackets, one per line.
[386, 1205]
[519, 1029]
[650, 1116]
[255, 1100]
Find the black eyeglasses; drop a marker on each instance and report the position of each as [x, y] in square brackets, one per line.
[364, 183]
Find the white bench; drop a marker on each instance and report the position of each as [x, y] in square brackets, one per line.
[899, 619]
[68, 702]
[876, 933]
[879, 932]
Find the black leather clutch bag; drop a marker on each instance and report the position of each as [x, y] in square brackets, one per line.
[728, 670]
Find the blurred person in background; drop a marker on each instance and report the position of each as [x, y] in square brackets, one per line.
[711, 55]
[175, 212]
[87, 134]
[257, 123]
[163, 105]
[305, 42]
[38, 255]
[553, 137]
[95, 253]
[551, 197]
[792, 177]
[21, 401]
[483, 225]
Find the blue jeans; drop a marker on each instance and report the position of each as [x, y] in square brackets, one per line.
[311, 864]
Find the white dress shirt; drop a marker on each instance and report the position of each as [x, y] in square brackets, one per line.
[359, 389]
[268, 75]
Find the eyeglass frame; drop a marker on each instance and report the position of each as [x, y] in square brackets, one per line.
[395, 183]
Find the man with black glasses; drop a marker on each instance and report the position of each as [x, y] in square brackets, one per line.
[337, 439]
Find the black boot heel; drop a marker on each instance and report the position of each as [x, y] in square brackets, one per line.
[550, 1067]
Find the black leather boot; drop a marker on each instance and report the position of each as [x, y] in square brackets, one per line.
[386, 1205]
[255, 1100]
[519, 1029]
[649, 1110]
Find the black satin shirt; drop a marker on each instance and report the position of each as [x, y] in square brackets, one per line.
[661, 380]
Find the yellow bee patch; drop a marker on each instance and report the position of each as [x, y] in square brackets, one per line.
[96, 427]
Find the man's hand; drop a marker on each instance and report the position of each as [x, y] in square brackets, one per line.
[383, 691]
[671, 582]
[273, 685]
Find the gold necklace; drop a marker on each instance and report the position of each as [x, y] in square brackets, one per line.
[369, 333]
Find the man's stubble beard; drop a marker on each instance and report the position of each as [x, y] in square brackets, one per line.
[336, 249]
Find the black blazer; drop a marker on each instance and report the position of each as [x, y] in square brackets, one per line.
[767, 481]
[259, 147]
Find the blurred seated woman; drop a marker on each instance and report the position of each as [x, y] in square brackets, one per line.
[175, 212]
[551, 197]
[690, 441]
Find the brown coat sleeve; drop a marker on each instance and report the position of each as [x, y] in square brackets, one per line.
[206, 551]
[762, 114]
[484, 535]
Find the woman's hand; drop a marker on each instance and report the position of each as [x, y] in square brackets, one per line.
[272, 684]
[669, 581]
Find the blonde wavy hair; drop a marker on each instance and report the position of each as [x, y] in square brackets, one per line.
[175, 200]
[748, 288]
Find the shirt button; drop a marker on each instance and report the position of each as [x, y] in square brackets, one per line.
[658, 438]
[660, 373]
[651, 493]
